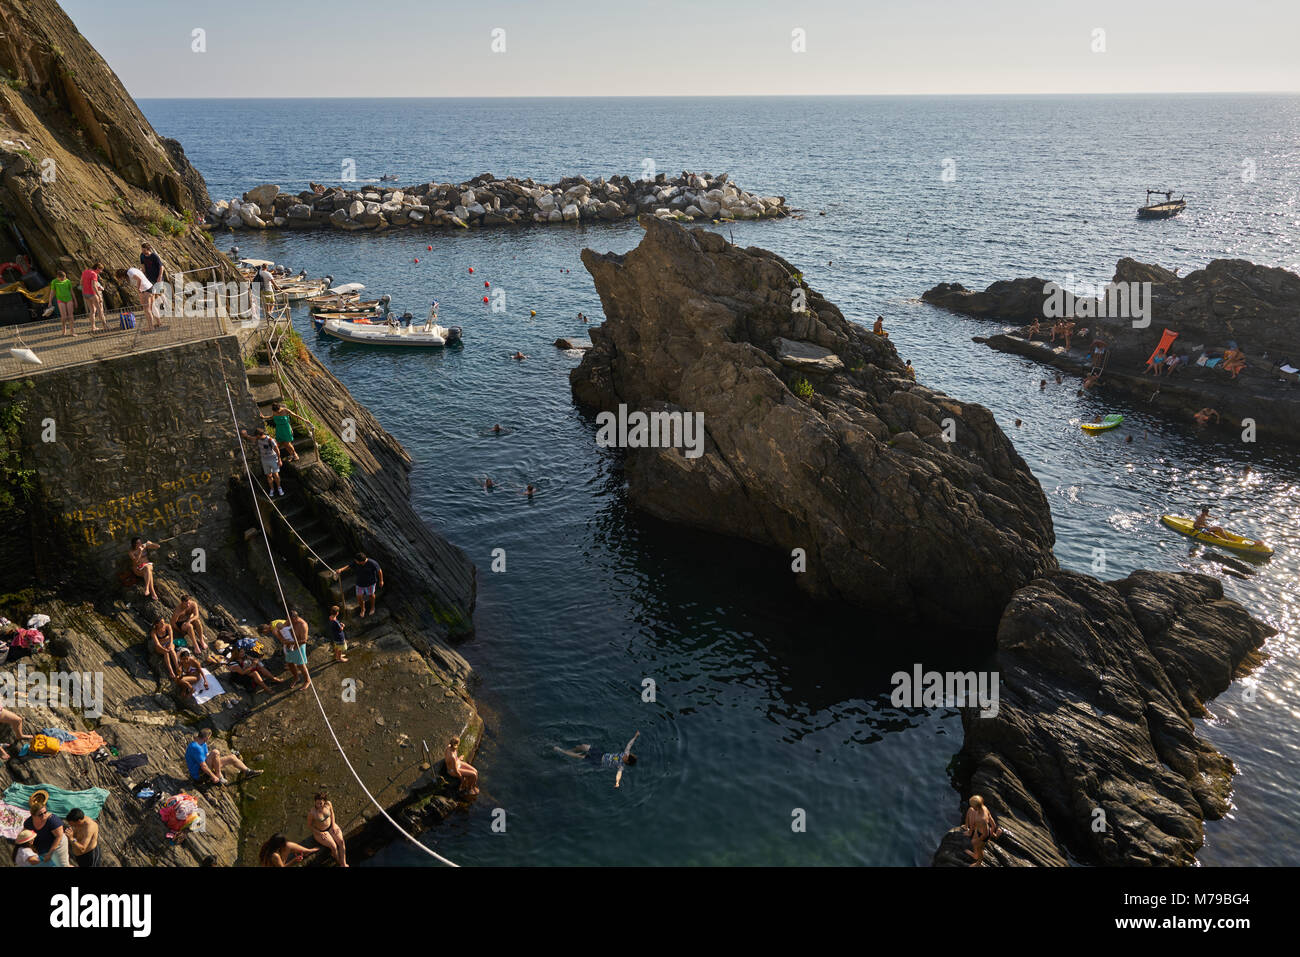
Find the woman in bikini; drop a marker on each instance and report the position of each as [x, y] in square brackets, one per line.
[326, 830]
[463, 770]
[163, 644]
[142, 566]
[982, 828]
[190, 674]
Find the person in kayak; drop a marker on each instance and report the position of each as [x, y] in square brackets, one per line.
[1202, 523]
[607, 759]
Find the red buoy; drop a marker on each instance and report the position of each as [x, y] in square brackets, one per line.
[485, 298]
[430, 248]
[417, 258]
[471, 268]
[486, 284]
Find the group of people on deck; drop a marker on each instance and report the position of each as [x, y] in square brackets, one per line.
[140, 279]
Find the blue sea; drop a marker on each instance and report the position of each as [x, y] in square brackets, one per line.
[763, 704]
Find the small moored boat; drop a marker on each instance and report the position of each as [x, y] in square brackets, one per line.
[426, 335]
[1170, 207]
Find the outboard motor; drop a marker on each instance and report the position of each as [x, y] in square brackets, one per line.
[453, 335]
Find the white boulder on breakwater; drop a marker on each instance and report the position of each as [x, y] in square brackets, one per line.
[487, 201]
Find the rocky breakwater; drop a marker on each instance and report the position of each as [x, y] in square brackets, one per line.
[1230, 300]
[487, 201]
[1092, 755]
[900, 497]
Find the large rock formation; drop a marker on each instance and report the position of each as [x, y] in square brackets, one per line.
[1092, 755]
[1230, 300]
[816, 438]
[83, 175]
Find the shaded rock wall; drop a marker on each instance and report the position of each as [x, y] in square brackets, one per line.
[858, 474]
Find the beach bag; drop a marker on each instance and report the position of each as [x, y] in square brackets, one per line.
[44, 744]
[127, 320]
[28, 638]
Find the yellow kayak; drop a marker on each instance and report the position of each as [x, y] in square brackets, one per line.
[1187, 526]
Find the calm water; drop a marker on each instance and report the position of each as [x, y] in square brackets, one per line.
[764, 704]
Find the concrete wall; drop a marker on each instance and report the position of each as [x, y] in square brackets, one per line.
[138, 445]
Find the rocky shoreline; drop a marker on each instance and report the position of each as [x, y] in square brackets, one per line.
[1230, 300]
[901, 499]
[488, 201]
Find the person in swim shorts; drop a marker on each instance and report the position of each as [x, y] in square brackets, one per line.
[982, 828]
[607, 759]
[369, 578]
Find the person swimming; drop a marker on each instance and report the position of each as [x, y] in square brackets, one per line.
[605, 759]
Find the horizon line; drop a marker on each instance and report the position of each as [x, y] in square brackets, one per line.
[737, 96]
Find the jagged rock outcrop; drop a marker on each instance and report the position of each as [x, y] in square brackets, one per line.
[1092, 755]
[858, 473]
[83, 175]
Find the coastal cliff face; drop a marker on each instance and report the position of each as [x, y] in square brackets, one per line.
[857, 473]
[1092, 755]
[83, 175]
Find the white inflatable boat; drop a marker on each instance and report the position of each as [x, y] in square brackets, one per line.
[423, 335]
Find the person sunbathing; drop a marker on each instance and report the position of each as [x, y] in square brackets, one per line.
[1033, 329]
[189, 675]
[162, 643]
[141, 565]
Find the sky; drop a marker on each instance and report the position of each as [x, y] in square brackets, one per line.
[386, 48]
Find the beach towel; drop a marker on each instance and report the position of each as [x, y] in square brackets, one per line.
[128, 763]
[214, 689]
[91, 800]
[83, 742]
[59, 733]
[1211, 363]
[11, 820]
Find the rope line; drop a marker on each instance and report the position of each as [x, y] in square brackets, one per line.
[288, 617]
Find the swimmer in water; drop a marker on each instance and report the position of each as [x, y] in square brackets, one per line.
[487, 483]
[1042, 385]
[606, 759]
[529, 491]
[519, 355]
[497, 428]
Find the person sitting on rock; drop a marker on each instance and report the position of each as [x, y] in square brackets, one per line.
[982, 828]
[909, 371]
[325, 828]
[252, 670]
[1203, 416]
[162, 643]
[188, 624]
[1202, 523]
[206, 763]
[142, 566]
[1234, 360]
[1033, 330]
[279, 851]
[15, 721]
[458, 768]
[879, 327]
[189, 674]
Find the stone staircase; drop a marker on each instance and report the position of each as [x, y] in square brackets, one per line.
[299, 534]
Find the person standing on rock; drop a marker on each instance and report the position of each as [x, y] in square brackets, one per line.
[338, 637]
[301, 635]
[92, 291]
[981, 826]
[370, 578]
[280, 419]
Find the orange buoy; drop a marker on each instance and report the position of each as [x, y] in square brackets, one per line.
[532, 312]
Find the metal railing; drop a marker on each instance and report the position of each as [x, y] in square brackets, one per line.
[47, 342]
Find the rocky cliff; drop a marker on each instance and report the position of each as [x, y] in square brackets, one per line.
[83, 175]
[902, 498]
[1092, 755]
